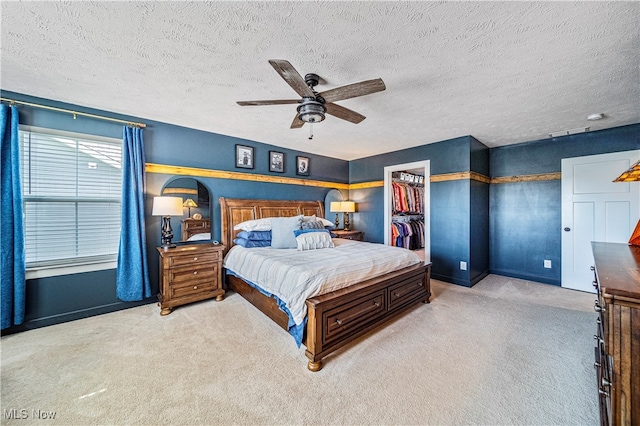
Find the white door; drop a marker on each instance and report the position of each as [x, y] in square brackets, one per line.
[594, 208]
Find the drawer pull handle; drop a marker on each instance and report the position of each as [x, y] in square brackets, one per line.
[339, 322]
[593, 268]
[419, 284]
[596, 365]
[605, 382]
[605, 393]
[195, 272]
[396, 294]
[597, 307]
[195, 287]
[195, 258]
[377, 304]
[598, 338]
[595, 284]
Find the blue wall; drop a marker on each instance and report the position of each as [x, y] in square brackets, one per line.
[451, 215]
[525, 217]
[57, 299]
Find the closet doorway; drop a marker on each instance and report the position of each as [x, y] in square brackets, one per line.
[418, 168]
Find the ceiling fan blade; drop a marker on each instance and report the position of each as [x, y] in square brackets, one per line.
[291, 76]
[344, 113]
[272, 102]
[354, 90]
[297, 123]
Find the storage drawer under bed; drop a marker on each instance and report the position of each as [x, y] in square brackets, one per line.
[344, 319]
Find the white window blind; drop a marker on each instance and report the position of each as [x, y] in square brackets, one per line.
[72, 194]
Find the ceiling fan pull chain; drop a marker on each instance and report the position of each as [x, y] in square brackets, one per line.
[310, 131]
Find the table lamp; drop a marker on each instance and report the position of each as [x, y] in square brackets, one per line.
[167, 207]
[189, 203]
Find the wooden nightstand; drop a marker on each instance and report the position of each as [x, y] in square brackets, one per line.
[189, 273]
[349, 235]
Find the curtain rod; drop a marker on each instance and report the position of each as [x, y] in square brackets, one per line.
[74, 113]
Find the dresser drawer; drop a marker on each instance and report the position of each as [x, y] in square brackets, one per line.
[405, 291]
[193, 259]
[346, 319]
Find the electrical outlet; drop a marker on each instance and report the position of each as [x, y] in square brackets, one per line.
[547, 263]
[463, 265]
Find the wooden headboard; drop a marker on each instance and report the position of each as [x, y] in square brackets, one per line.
[234, 211]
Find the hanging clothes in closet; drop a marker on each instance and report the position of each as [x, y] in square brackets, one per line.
[407, 226]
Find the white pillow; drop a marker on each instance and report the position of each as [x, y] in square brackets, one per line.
[282, 228]
[324, 221]
[255, 225]
[313, 239]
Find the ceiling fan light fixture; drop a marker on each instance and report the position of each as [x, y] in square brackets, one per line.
[311, 111]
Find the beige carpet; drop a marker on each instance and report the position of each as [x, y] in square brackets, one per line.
[505, 352]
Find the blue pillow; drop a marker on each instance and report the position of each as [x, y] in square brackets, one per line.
[282, 231]
[255, 235]
[251, 244]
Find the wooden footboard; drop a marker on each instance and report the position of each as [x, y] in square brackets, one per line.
[339, 317]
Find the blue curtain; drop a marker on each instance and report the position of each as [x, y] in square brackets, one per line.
[132, 275]
[12, 266]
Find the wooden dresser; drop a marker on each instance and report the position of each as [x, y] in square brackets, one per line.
[189, 273]
[617, 352]
[191, 227]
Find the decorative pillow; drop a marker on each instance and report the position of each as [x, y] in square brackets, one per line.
[312, 224]
[313, 239]
[255, 235]
[327, 223]
[282, 228]
[255, 225]
[251, 244]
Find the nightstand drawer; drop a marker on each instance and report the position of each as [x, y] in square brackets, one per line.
[192, 288]
[349, 235]
[193, 259]
[202, 272]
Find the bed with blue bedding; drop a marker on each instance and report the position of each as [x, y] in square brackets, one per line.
[325, 291]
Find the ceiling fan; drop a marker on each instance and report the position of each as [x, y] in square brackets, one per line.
[314, 105]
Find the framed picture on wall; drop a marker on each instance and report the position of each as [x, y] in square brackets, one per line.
[276, 161]
[244, 156]
[302, 166]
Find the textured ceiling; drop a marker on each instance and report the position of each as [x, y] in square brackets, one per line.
[504, 72]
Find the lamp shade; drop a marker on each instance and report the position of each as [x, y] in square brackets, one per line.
[334, 207]
[167, 206]
[189, 203]
[348, 206]
[632, 174]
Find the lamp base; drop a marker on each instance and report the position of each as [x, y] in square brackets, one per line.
[167, 233]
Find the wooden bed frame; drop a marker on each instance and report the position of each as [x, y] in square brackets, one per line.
[338, 317]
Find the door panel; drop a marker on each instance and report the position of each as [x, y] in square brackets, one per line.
[594, 208]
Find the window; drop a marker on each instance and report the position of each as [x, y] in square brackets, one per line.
[72, 194]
